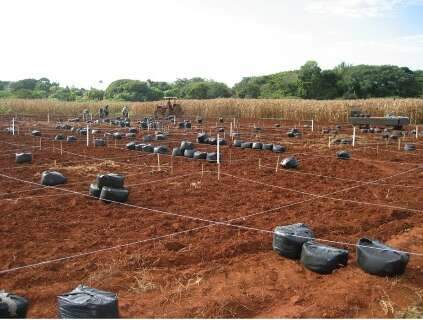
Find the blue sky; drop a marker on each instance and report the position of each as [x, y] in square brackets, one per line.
[80, 42]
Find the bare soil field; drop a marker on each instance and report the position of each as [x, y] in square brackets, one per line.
[195, 241]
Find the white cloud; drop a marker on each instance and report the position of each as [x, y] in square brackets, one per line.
[354, 8]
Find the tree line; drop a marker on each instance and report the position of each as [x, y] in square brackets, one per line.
[309, 82]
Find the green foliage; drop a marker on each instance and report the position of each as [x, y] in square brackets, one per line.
[94, 94]
[132, 90]
[344, 81]
[309, 82]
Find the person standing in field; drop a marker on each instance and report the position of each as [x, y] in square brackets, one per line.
[101, 112]
[85, 114]
[125, 112]
[106, 111]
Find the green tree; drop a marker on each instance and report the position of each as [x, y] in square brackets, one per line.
[309, 78]
[94, 94]
[132, 90]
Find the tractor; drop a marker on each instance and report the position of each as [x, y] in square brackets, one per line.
[169, 109]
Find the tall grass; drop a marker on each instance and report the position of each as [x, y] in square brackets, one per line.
[290, 109]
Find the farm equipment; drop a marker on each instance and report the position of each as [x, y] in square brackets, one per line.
[168, 109]
[364, 120]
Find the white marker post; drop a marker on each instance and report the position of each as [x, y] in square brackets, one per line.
[13, 126]
[88, 136]
[48, 117]
[312, 125]
[218, 157]
[417, 132]
[329, 143]
[399, 144]
[353, 142]
[277, 163]
[158, 162]
[230, 130]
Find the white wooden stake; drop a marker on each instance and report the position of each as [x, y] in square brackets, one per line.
[40, 143]
[218, 157]
[417, 132]
[230, 130]
[13, 126]
[48, 117]
[202, 170]
[399, 144]
[158, 161]
[88, 136]
[312, 125]
[353, 142]
[277, 163]
[329, 143]
[259, 163]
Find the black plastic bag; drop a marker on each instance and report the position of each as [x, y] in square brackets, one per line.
[212, 157]
[278, 148]
[12, 306]
[71, 139]
[344, 155]
[321, 258]
[202, 138]
[59, 137]
[52, 178]
[409, 147]
[177, 152]
[88, 303]
[131, 145]
[289, 163]
[267, 146]
[94, 190]
[376, 258]
[212, 141]
[111, 180]
[23, 157]
[257, 145]
[246, 145]
[186, 145]
[148, 148]
[161, 149]
[160, 137]
[36, 133]
[189, 153]
[200, 155]
[130, 135]
[114, 194]
[139, 146]
[288, 240]
[148, 138]
[99, 142]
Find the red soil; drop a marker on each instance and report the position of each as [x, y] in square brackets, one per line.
[216, 271]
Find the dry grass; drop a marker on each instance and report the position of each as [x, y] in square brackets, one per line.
[290, 109]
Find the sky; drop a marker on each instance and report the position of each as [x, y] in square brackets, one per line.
[89, 43]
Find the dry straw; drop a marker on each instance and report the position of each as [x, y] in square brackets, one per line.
[289, 109]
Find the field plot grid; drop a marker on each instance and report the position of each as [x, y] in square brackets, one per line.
[194, 238]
